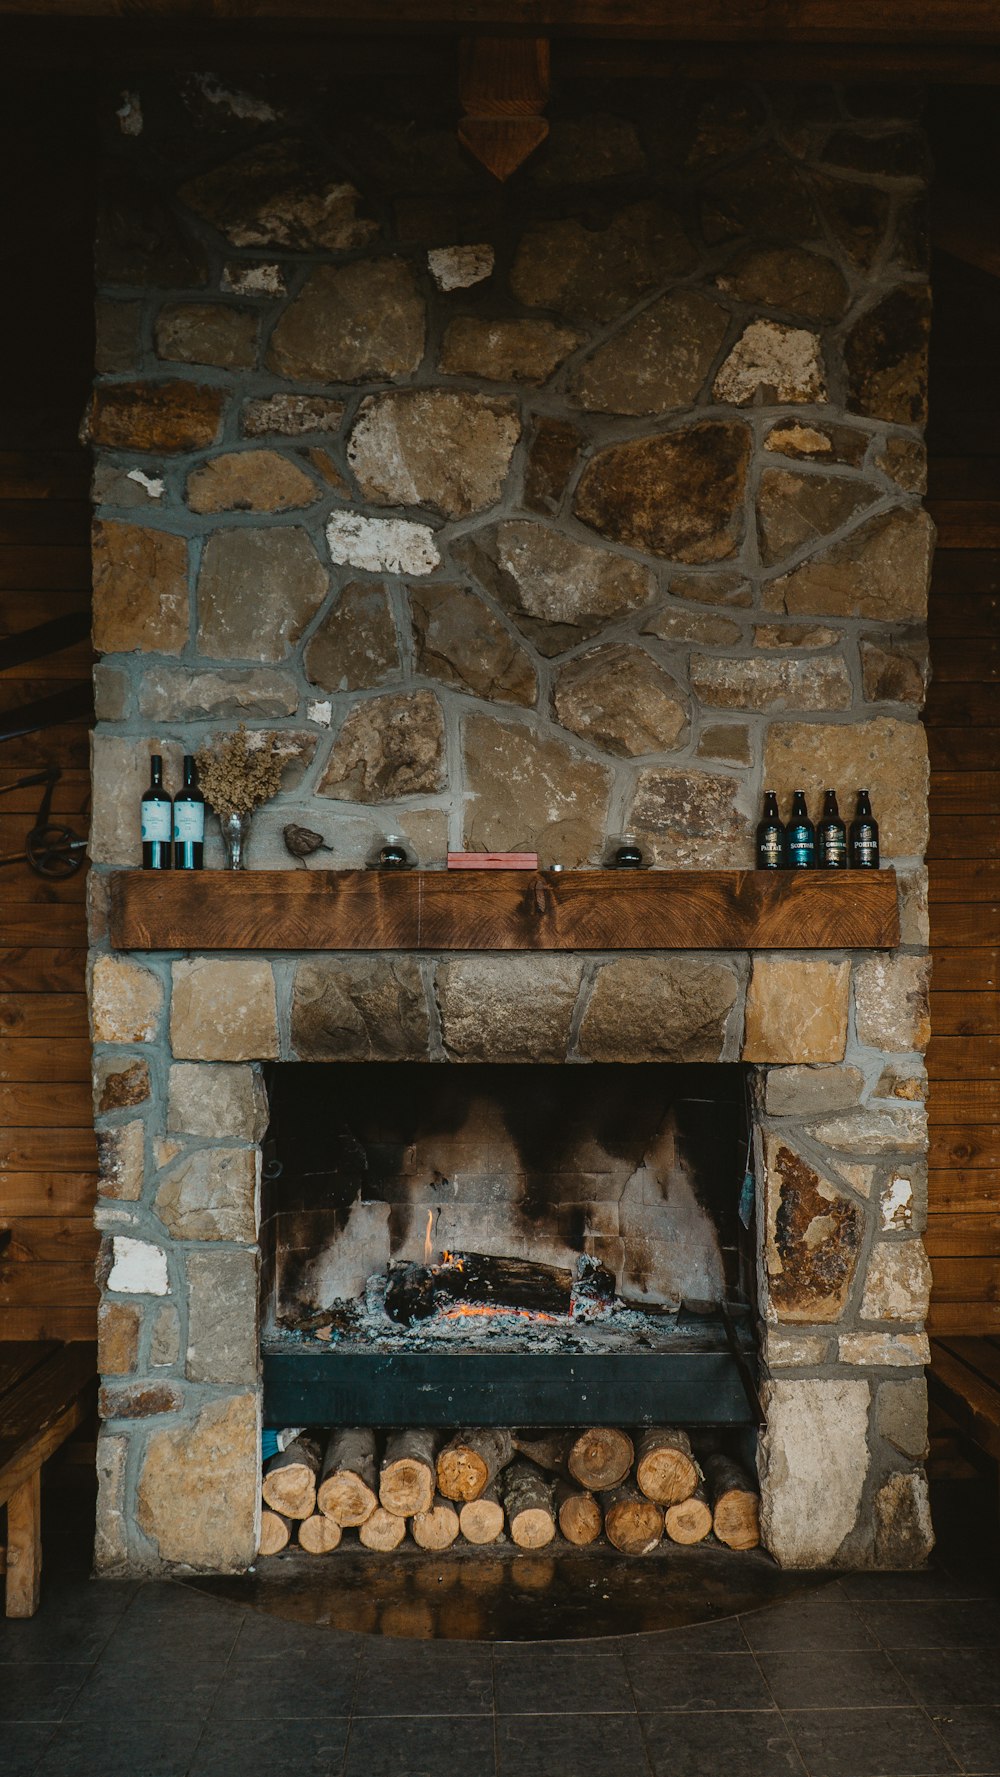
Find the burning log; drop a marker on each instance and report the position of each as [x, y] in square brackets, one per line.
[600, 1457]
[633, 1523]
[437, 1528]
[481, 1520]
[416, 1291]
[406, 1482]
[318, 1535]
[527, 1498]
[467, 1465]
[382, 1531]
[666, 1470]
[735, 1503]
[348, 1488]
[580, 1518]
[690, 1520]
[275, 1532]
[290, 1482]
[411, 1294]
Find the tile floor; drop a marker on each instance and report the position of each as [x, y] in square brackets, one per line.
[891, 1675]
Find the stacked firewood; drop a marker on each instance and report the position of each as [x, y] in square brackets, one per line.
[486, 1483]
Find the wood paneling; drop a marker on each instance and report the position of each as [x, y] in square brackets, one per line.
[47, 1145]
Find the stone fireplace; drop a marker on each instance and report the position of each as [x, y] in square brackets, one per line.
[528, 517]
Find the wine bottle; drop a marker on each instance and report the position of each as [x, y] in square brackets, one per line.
[800, 836]
[770, 836]
[156, 821]
[189, 822]
[864, 836]
[831, 836]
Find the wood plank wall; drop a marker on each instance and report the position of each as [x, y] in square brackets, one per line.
[47, 1148]
[963, 722]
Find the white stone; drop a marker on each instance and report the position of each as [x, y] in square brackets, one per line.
[320, 713]
[112, 1215]
[382, 545]
[884, 1349]
[455, 268]
[898, 1282]
[138, 1269]
[813, 1462]
[904, 1531]
[153, 484]
[770, 356]
[800, 1349]
[245, 106]
[264, 279]
[896, 1129]
[896, 1207]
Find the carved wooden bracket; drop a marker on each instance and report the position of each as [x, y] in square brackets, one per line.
[503, 84]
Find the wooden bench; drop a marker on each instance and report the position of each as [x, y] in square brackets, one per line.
[46, 1389]
[964, 1381]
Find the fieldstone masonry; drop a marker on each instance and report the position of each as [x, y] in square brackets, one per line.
[528, 517]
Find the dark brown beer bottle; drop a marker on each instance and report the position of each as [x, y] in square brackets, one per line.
[831, 836]
[770, 836]
[864, 836]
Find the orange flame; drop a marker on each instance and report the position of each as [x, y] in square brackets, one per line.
[467, 1308]
[428, 1249]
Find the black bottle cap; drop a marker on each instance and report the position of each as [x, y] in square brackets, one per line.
[156, 761]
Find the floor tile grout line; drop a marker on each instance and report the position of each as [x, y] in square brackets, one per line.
[202, 1731]
[635, 1705]
[793, 1743]
[920, 1704]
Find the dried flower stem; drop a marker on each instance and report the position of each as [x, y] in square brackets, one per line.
[238, 772]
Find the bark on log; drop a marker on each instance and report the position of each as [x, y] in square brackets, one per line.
[527, 1498]
[548, 1450]
[348, 1488]
[632, 1522]
[290, 1481]
[666, 1469]
[275, 1532]
[735, 1503]
[407, 1481]
[580, 1517]
[382, 1531]
[481, 1520]
[600, 1458]
[472, 1459]
[436, 1528]
[690, 1520]
[318, 1535]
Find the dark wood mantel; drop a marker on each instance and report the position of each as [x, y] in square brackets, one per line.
[503, 910]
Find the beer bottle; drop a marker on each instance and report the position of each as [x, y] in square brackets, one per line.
[800, 836]
[831, 836]
[770, 836]
[864, 836]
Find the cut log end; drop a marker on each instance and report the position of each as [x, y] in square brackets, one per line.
[600, 1458]
[407, 1481]
[319, 1535]
[666, 1470]
[481, 1520]
[348, 1489]
[290, 1481]
[467, 1465]
[437, 1528]
[275, 1532]
[580, 1517]
[690, 1520]
[735, 1503]
[634, 1524]
[382, 1531]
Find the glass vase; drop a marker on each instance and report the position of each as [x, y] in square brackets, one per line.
[235, 830]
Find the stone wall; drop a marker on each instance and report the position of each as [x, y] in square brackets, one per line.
[528, 517]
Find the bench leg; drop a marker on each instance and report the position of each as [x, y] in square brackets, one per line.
[24, 1548]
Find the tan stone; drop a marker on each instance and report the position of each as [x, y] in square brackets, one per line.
[120, 1155]
[886, 357]
[210, 1195]
[131, 488]
[762, 684]
[222, 1332]
[552, 457]
[119, 1082]
[165, 1339]
[618, 698]
[387, 747]
[280, 193]
[658, 361]
[557, 590]
[172, 693]
[118, 1328]
[360, 1009]
[783, 1349]
[884, 1350]
[112, 693]
[249, 481]
[776, 362]
[674, 624]
[442, 448]
[111, 1532]
[354, 648]
[886, 753]
[831, 444]
[207, 333]
[787, 278]
[223, 1010]
[325, 466]
[796, 1011]
[598, 273]
[461, 642]
[665, 1008]
[728, 742]
[881, 1129]
[881, 571]
[901, 1416]
[139, 1400]
[351, 323]
[798, 1091]
[257, 590]
[126, 1001]
[904, 1530]
[891, 999]
[914, 916]
[679, 494]
[905, 460]
[508, 1008]
[814, 1234]
[793, 509]
[506, 351]
[291, 416]
[712, 589]
[199, 1487]
[225, 1101]
[898, 1282]
[813, 1463]
[458, 268]
[794, 635]
[893, 675]
[266, 278]
[116, 346]
[689, 819]
[528, 792]
[140, 589]
[174, 416]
